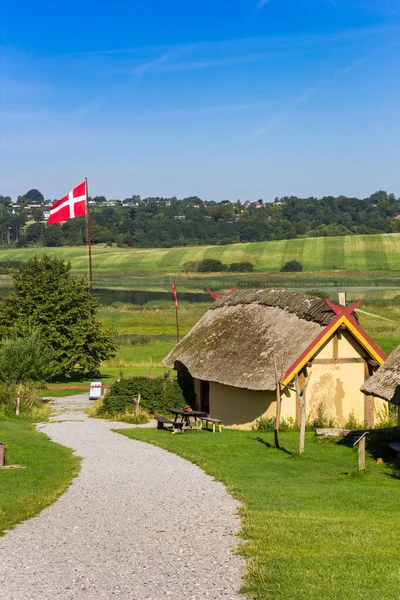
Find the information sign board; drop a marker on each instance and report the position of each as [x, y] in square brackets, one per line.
[96, 391]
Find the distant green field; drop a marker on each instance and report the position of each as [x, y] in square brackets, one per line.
[349, 253]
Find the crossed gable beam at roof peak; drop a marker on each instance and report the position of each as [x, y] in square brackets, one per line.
[343, 317]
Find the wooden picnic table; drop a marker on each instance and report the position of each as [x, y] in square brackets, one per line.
[186, 414]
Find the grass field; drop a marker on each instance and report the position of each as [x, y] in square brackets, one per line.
[379, 252]
[313, 526]
[49, 471]
[330, 263]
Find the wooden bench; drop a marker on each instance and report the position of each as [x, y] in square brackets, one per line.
[213, 421]
[163, 422]
[395, 446]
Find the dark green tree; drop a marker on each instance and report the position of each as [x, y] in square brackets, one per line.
[209, 265]
[35, 232]
[292, 266]
[61, 309]
[37, 215]
[34, 196]
[53, 236]
[241, 267]
[5, 201]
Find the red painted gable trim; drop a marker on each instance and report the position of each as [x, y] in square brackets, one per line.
[216, 296]
[342, 314]
[348, 314]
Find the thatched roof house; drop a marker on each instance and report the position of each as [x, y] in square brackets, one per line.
[233, 344]
[385, 382]
[230, 353]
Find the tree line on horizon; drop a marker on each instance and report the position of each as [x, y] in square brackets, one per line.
[168, 222]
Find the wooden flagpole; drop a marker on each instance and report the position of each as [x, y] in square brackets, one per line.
[88, 240]
[176, 310]
[177, 323]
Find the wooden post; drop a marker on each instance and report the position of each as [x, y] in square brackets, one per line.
[398, 416]
[302, 397]
[18, 403]
[3, 454]
[303, 420]
[136, 400]
[361, 454]
[361, 451]
[278, 406]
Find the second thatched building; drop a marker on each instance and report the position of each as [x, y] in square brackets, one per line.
[385, 382]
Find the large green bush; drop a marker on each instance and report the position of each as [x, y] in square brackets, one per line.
[25, 356]
[292, 266]
[211, 265]
[241, 267]
[157, 395]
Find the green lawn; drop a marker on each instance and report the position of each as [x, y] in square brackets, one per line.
[313, 527]
[367, 252]
[48, 473]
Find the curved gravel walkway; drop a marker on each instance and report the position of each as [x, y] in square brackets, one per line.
[138, 523]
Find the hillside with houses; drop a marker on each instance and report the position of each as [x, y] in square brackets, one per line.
[158, 222]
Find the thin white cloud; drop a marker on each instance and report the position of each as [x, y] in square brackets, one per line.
[243, 45]
[223, 108]
[262, 3]
[150, 65]
[302, 98]
[194, 65]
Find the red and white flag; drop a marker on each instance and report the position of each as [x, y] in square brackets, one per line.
[71, 206]
[174, 294]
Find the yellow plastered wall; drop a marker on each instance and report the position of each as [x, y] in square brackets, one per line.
[238, 407]
[337, 389]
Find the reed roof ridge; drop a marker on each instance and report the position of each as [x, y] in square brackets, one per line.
[305, 306]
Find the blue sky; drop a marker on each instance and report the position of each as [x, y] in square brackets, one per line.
[241, 99]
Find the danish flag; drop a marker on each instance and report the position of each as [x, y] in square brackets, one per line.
[71, 206]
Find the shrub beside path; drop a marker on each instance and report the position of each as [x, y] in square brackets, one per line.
[138, 523]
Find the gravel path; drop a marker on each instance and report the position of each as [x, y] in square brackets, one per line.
[138, 523]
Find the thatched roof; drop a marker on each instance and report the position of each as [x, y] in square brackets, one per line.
[385, 382]
[235, 341]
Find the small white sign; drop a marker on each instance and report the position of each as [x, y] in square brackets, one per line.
[96, 391]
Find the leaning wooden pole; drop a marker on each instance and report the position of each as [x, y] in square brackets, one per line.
[361, 451]
[278, 406]
[302, 398]
[89, 239]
